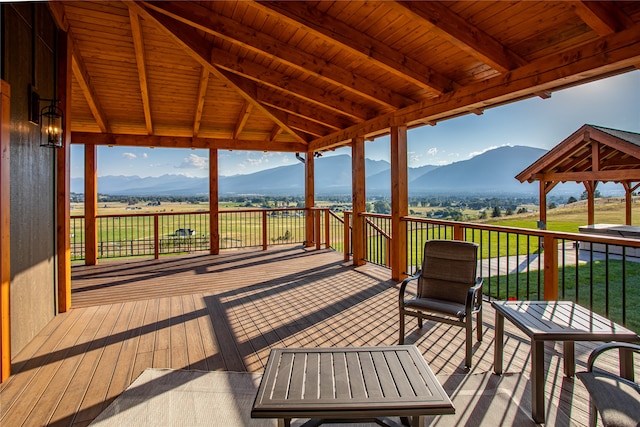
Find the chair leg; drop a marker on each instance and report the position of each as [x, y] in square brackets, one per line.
[479, 325]
[593, 416]
[401, 338]
[420, 322]
[469, 344]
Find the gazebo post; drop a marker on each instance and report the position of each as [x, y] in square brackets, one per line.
[399, 201]
[542, 224]
[628, 198]
[214, 203]
[591, 189]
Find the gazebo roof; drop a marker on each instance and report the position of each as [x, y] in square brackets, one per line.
[592, 153]
[310, 76]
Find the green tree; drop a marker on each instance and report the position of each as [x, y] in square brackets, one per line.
[496, 212]
[571, 200]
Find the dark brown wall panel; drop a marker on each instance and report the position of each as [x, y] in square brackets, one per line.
[29, 59]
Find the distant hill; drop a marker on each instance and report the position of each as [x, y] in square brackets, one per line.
[488, 174]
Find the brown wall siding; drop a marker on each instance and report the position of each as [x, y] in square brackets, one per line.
[29, 58]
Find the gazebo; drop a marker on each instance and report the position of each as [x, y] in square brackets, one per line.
[590, 155]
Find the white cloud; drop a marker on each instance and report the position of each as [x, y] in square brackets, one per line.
[432, 151]
[144, 155]
[193, 162]
[493, 147]
[129, 156]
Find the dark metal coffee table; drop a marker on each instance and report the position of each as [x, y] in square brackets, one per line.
[350, 384]
[555, 321]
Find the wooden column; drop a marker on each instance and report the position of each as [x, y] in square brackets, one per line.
[543, 205]
[63, 173]
[5, 233]
[399, 201]
[309, 200]
[214, 205]
[359, 199]
[590, 186]
[90, 204]
[628, 192]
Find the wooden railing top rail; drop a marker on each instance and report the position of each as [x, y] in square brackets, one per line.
[532, 232]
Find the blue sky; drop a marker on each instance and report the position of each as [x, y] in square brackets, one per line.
[535, 122]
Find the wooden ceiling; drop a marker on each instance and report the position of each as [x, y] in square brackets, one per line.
[310, 76]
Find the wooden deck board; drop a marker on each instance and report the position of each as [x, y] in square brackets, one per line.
[226, 313]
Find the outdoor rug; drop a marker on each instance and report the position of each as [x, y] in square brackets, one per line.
[165, 397]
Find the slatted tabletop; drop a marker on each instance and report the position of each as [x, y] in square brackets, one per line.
[563, 321]
[348, 383]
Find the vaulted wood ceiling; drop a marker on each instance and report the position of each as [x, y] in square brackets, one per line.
[309, 76]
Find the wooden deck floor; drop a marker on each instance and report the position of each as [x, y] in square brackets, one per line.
[225, 313]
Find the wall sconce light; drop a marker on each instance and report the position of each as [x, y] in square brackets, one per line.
[51, 125]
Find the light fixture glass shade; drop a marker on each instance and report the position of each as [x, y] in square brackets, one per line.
[51, 120]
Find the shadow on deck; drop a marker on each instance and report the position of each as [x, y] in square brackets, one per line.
[226, 312]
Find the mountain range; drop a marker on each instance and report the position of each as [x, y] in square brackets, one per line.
[491, 173]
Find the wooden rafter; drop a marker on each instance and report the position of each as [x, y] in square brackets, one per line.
[465, 36]
[615, 52]
[335, 31]
[293, 87]
[277, 130]
[125, 140]
[84, 81]
[138, 44]
[603, 17]
[199, 50]
[202, 91]
[307, 111]
[201, 18]
[242, 119]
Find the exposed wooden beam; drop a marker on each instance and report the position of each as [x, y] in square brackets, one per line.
[283, 83]
[277, 130]
[138, 44]
[199, 49]
[127, 140]
[263, 44]
[437, 16]
[202, 92]
[242, 119]
[602, 16]
[84, 81]
[57, 10]
[612, 54]
[307, 111]
[604, 176]
[337, 32]
[250, 88]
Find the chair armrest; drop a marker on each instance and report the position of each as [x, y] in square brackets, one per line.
[609, 346]
[474, 295]
[403, 287]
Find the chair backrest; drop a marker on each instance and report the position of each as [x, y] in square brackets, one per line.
[448, 270]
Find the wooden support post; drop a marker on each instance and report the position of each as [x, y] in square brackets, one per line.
[399, 202]
[542, 224]
[264, 230]
[156, 236]
[347, 235]
[317, 233]
[90, 205]
[5, 232]
[590, 186]
[214, 203]
[327, 229]
[359, 199]
[550, 268]
[63, 175]
[309, 199]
